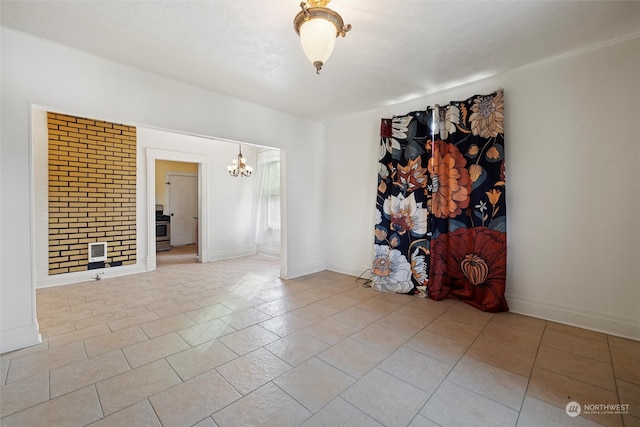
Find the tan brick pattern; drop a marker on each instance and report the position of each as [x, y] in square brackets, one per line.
[92, 191]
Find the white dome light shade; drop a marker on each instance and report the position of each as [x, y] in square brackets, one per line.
[318, 37]
[318, 27]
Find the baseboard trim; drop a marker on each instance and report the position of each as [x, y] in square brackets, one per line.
[267, 251]
[303, 270]
[88, 275]
[221, 255]
[351, 270]
[575, 316]
[17, 338]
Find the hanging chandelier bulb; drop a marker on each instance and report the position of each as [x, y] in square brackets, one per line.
[318, 27]
[238, 167]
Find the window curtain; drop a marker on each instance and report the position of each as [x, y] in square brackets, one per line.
[266, 201]
[441, 212]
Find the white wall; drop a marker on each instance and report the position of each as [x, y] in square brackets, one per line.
[37, 72]
[573, 186]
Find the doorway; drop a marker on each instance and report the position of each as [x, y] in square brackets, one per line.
[176, 192]
[160, 165]
[183, 207]
[237, 228]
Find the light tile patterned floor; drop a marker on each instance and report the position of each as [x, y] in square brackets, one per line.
[229, 344]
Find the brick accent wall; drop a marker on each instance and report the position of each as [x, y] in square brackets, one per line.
[92, 191]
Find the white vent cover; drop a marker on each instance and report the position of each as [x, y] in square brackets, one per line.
[97, 251]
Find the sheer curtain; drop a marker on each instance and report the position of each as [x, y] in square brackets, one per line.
[266, 203]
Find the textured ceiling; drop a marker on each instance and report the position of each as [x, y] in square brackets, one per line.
[396, 50]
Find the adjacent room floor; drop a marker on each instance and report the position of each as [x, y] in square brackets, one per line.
[230, 344]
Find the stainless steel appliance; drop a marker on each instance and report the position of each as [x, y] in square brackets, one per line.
[163, 230]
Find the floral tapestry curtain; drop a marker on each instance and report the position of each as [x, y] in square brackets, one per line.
[441, 213]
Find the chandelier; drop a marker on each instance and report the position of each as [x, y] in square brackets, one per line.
[318, 27]
[238, 167]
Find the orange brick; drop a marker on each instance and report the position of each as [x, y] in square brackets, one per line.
[64, 117]
[77, 125]
[69, 264]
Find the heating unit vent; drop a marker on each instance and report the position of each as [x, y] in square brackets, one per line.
[97, 251]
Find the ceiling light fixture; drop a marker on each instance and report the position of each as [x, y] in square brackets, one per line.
[239, 167]
[318, 27]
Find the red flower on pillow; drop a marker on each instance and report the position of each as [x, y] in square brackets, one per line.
[470, 264]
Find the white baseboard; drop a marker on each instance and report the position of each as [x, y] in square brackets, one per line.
[89, 275]
[351, 270]
[303, 270]
[16, 338]
[575, 316]
[268, 251]
[152, 262]
[220, 255]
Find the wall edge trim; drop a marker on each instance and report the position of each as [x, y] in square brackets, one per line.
[573, 316]
[88, 275]
[21, 337]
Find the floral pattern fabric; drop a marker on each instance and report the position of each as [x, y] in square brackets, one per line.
[441, 212]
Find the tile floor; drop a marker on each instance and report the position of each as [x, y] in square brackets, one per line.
[229, 344]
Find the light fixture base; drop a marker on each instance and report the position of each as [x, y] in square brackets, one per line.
[322, 12]
[318, 3]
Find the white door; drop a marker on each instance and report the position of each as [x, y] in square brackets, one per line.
[183, 208]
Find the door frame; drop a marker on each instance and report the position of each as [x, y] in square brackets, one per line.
[167, 193]
[153, 154]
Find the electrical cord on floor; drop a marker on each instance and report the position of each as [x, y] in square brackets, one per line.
[367, 282]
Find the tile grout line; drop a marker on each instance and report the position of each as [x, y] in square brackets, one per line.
[526, 390]
[615, 378]
[456, 364]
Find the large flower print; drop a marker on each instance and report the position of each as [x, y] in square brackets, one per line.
[412, 176]
[419, 266]
[470, 265]
[400, 127]
[487, 119]
[391, 270]
[449, 117]
[406, 215]
[451, 181]
[387, 145]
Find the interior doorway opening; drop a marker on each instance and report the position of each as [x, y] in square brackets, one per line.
[230, 221]
[176, 206]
